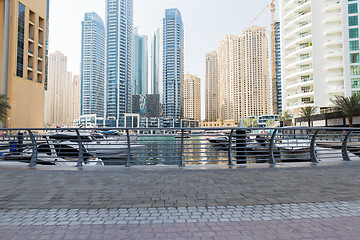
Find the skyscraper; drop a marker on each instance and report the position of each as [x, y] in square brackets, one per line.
[173, 63]
[140, 74]
[23, 51]
[278, 93]
[156, 62]
[119, 37]
[350, 18]
[59, 97]
[315, 52]
[212, 93]
[192, 97]
[76, 104]
[254, 87]
[92, 65]
[228, 50]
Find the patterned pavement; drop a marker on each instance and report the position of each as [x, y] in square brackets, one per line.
[312, 202]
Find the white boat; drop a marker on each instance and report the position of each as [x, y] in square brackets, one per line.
[51, 153]
[108, 150]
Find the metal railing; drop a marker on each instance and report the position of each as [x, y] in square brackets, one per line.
[178, 146]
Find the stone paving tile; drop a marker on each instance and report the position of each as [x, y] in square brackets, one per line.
[135, 216]
[341, 228]
[115, 188]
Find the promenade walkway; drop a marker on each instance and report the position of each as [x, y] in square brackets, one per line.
[290, 201]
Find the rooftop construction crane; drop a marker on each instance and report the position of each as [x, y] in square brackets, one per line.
[273, 52]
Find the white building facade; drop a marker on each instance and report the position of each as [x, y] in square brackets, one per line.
[315, 60]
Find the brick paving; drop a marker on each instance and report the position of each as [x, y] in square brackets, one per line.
[344, 228]
[319, 202]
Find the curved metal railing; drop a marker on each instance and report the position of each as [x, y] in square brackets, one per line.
[178, 146]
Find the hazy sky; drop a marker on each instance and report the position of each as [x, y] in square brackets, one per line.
[205, 22]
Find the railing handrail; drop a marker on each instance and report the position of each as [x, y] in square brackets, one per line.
[182, 128]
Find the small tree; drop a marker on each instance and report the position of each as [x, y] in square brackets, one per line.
[270, 122]
[348, 106]
[308, 113]
[4, 106]
[285, 116]
[250, 122]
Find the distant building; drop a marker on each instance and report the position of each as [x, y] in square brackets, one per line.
[276, 89]
[254, 79]
[212, 87]
[156, 63]
[24, 27]
[140, 73]
[147, 105]
[119, 45]
[60, 92]
[228, 59]
[173, 63]
[76, 97]
[191, 92]
[92, 65]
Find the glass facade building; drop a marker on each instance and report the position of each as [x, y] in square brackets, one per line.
[119, 39]
[92, 65]
[140, 75]
[156, 68]
[173, 63]
[354, 51]
[278, 67]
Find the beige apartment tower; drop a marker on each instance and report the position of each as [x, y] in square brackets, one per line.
[212, 91]
[23, 26]
[228, 60]
[254, 89]
[60, 92]
[192, 97]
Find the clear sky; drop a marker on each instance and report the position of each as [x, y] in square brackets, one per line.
[205, 22]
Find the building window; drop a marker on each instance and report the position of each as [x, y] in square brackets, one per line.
[304, 67]
[304, 45]
[353, 21]
[355, 70]
[306, 100]
[304, 56]
[305, 89]
[354, 45]
[353, 8]
[305, 78]
[355, 83]
[20, 41]
[354, 33]
[354, 57]
[355, 92]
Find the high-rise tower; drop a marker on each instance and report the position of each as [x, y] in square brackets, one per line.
[228, 57]
[156, 62]
[119, 37]
[315, 37]
[254, 87]
[173, 63]
[92, 65]
[212, 93]
[140, 73]
[192, 97]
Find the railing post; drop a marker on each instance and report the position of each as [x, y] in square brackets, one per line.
[271, 148]
[182, 163]
[128, 159]
[230, 155]
[81, 150]
[344, 148]
[34, 154]
[313, 154]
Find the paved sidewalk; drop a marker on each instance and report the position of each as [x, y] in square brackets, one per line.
[319, 202]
